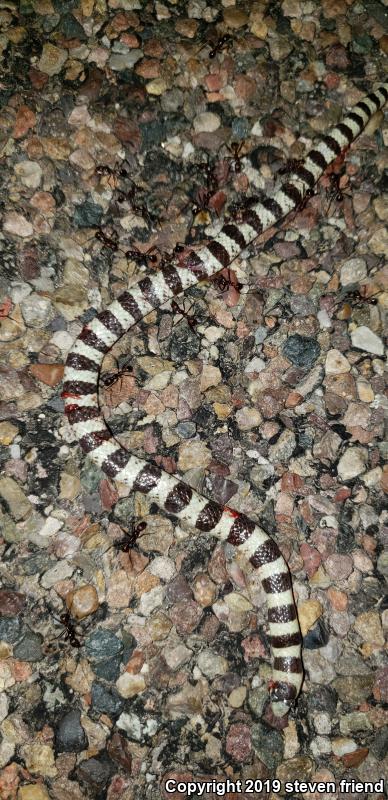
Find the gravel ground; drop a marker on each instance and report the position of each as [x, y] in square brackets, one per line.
[131, 652]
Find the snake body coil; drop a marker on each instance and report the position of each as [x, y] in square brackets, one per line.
[177, 498]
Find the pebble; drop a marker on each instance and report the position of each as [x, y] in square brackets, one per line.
[368, 626]
[15, 499]
[352, 463]
[364, 339]
[130, 685]
[283, 449]
[83, 601]
[309, 612]
[212, 664]
[52, 59]
[37, 311]
[17, 225]
[267, 744]
[33, 791]
[25, 120]
[336, 363]
[69, 734]
[302, 351]
[354, 689]
[39, 759]
[206, 122]
[29, 173]
[238, 742]
[353, 271]
[8, 431]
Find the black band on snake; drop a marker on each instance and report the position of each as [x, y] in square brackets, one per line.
[177, 498]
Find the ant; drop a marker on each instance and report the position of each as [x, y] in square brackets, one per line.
[235, 150]
[222, 44]
[111, 378]
[119, 172]
[237, 209]
[224, 283]
[168, 258]
[303, 203]
[143, 258]
[191, 321]
[334, 191]
[129, 540]
[110, 241]
[69, 631]
[290, 166]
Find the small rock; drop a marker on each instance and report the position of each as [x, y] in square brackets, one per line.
[130, 685]
[248, 418]
[206, 122]
[352, 463]
[157, 87]
[70, 735]
[364, 339]
[301, 350]
[8, 431]
[37, 311]
[50, 374]
[341, 746]
[353, 271]
[309, 612]
[212, 664]
[368, 626]
[25, 120]
[17, 225]
[354, 689]
[82, 601]
[30, 173]
[357, 721]
[52, 59]
[33, 791]
[15, 499]
[268, 745]
[238, 742]
[336, 363]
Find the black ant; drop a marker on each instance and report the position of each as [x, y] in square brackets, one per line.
[303, 203]
[69, 631]
[211, 179]
[334, 191]
[119, 172]
[222, 44]
[110, 241]
[129, 540]
[235, 150]
[224, 283]
[130, 197]
[191, 321]
[110, 379]
[168, 258]
[143, 258]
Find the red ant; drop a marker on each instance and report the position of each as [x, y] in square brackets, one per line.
[129, 540]
[191, 321]
[113, 172]
[110, 241]
[290, 166]
[224, 283]
[303, 203]
[69, 631]
[222, 44]
[143, 258]
[235, 150]
[237, 209]
[334, 191]
[110, 379]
